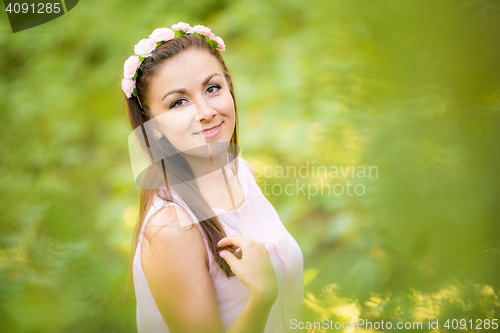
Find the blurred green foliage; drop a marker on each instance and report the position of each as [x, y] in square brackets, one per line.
[455, 307]
[410, 87]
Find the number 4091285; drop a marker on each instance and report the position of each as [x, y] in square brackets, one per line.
[39, 8]
[477, 324]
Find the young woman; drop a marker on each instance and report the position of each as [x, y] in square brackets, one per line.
[199, 198]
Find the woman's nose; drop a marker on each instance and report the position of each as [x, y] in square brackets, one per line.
[204, 111]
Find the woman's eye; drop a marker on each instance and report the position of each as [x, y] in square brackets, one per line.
[213, 88]
[179, 102]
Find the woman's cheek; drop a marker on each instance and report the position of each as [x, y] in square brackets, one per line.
[229, 106]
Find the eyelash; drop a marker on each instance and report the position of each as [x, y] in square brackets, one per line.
[173, 105]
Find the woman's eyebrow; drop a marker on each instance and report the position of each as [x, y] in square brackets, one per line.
[183, 91]
[179, 91]
[209, 78]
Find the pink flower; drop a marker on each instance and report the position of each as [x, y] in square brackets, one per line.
[181, 26]
[130, 67]
[221, 46]
[145, 47]
[128, 86]
[162, 35]
[203, 30]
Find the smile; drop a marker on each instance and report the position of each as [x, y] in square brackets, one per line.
[210, 132]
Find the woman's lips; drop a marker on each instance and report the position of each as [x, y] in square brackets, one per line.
[209, 133]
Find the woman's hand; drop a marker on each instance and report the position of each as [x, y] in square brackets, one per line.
[254, 269]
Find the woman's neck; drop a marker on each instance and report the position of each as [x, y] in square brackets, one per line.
[208, 171]
[217, 181]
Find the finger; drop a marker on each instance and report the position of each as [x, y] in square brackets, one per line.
[230, 258]
[237, 240]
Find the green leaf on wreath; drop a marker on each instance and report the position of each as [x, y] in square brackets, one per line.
[179, 33]
[213, 43]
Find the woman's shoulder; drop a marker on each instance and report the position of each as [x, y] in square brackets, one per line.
[171, 231]
[171, 215]
[248, 165]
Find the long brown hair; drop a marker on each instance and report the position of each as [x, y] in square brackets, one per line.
[139, 114]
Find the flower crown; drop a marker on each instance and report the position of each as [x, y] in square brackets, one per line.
[146, 46]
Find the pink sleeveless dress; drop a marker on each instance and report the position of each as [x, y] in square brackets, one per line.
[260, 221]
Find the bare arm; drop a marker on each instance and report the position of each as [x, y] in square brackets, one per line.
[255, 271]
[175, 263]
[254, 316]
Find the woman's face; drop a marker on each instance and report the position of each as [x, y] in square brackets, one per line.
[191, 102]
